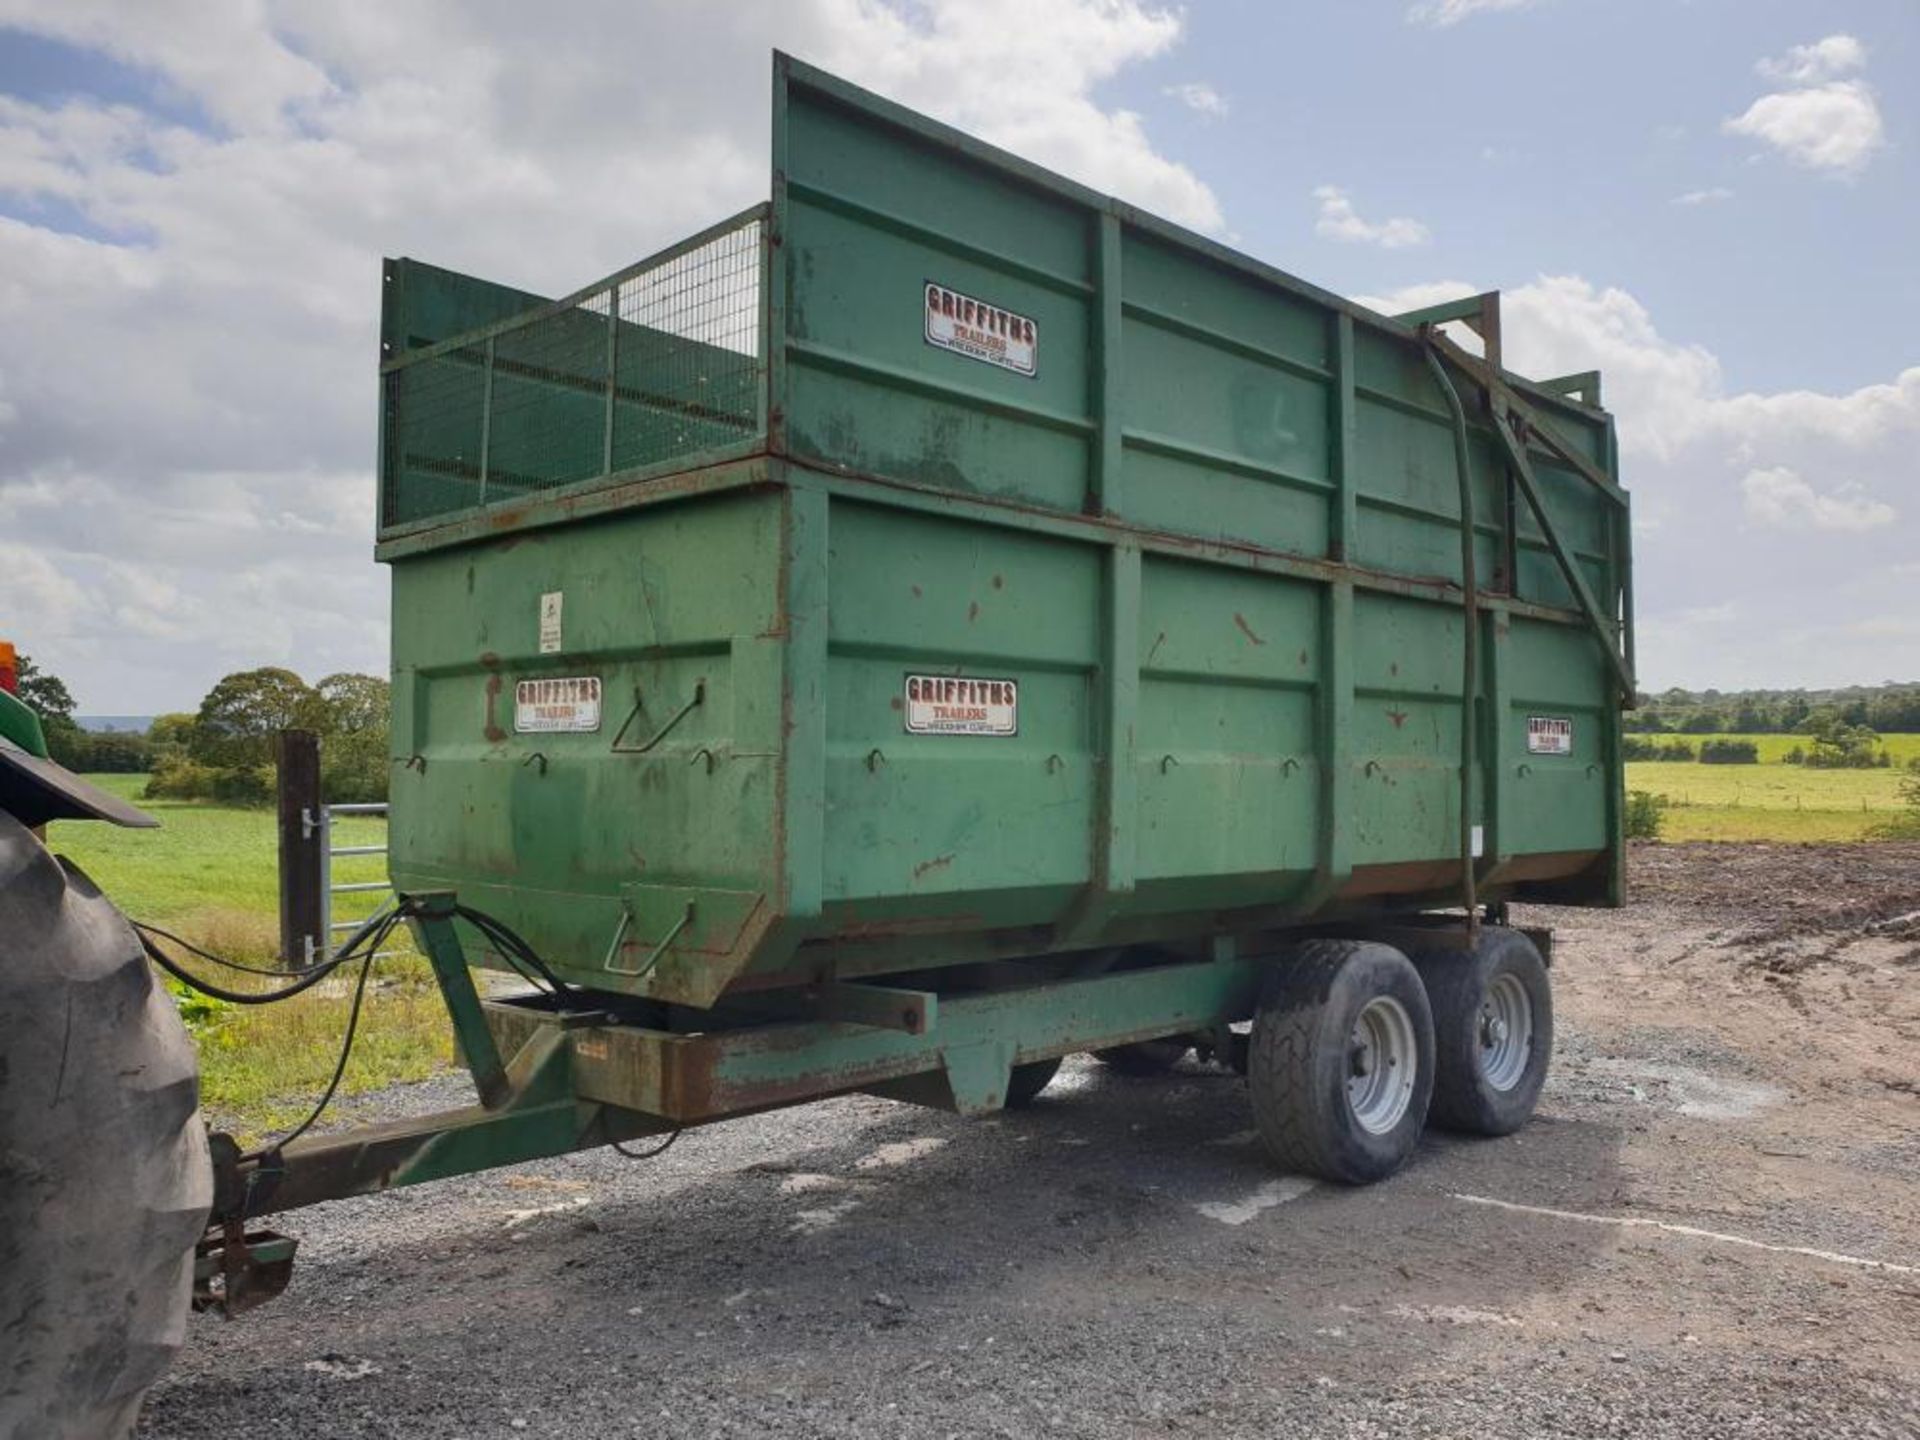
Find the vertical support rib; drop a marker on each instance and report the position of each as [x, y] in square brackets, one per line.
[1498, 673]
[1103, 496]
[1119, 801]
[803, 699]
[1341, 520]
[486, 420]
[774, 296]
[613, 376]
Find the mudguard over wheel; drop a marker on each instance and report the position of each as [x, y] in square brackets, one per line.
[1493, 1031]
[1340, 1069]
[104, 1179]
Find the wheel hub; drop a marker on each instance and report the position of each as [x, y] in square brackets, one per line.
[1383, 1064]
[1506, 1032]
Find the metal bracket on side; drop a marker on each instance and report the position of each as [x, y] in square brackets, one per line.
[699, 695]
[612, 965]
[886, 1007]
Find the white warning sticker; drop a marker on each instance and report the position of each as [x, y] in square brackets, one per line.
[962, 705]
[980, 331]
[1549, 735]
[545, 707]
[550, 607]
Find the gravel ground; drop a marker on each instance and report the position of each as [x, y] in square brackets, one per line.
[1730, 1137]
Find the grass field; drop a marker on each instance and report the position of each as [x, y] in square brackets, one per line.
[210, 875]
[1773, 800]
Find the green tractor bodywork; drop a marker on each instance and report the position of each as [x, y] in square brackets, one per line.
[944, 619]
[34, 788]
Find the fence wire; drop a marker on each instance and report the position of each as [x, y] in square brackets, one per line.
[656, 364]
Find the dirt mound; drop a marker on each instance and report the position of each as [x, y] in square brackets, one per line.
[1772, 891]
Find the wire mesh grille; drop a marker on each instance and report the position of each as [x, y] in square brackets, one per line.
[657, 364]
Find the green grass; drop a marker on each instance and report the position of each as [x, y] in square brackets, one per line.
[211, 875]
[203, 857]
[1770, 801]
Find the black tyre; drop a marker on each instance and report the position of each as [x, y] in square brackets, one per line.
[1027, 1081]
[1340, 1069]
[1145, 1057]
[104, 1178]
[1493, 1031]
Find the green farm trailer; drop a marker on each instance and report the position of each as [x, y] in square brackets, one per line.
[942, 620]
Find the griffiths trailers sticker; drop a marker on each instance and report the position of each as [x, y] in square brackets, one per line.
[962, 705]
[542, 707]
[1549, 735]
[981, 331]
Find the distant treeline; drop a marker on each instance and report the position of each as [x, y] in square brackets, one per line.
[1892, 709]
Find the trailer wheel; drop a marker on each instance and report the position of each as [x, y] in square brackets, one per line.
[104, 1177]
[1493, 1031]
[1027, 1081]
[1340, 1069]
[1145, 1057]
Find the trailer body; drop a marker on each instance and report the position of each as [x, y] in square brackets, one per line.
[944, 562]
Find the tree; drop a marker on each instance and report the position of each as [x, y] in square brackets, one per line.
[353, 703]
[48, 697]
[174, 731]
[354, 760]
[240, 716]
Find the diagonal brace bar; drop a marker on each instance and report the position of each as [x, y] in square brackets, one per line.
[1516, 454]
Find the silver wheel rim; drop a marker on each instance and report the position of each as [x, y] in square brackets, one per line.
[1383, 1062]
[1504, 1030]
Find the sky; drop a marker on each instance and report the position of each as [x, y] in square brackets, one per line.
[1715, 202]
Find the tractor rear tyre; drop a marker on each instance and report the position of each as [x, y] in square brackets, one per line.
[1145, 1057]
[1340, 1069]
[104, 1177]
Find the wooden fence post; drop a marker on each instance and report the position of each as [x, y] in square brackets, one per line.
[303, 900]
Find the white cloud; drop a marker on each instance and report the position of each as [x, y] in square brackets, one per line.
[1704, 197]
[1823, 122]
[1811, 64]
[1780, 498]
[1834, 127]
[1340, 221]
[1199, 96]
[1439, 13]
[186, 405]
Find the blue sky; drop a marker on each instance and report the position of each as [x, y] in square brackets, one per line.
[1553, 138]
[1715, 201]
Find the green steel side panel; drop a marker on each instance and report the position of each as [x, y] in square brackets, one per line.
[552, 830]
[1405, 737]
[1226, 757]
[914, 821]
[870, 219]
[1560, 802]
